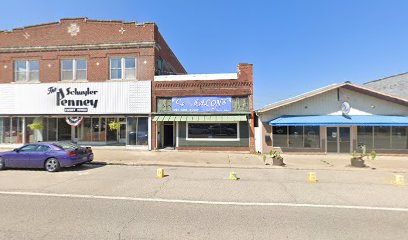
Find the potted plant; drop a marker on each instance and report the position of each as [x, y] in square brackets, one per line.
[114, 125]
[35, 126]
[357, 159]
[277, 159]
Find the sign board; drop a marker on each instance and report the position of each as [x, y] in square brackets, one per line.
[201, 104]
[109, 97]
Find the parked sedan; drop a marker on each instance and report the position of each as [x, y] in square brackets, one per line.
[50, 156]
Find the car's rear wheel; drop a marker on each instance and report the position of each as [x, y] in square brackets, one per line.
[2, 164]
[52, 165]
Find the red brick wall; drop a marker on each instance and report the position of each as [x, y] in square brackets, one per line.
[91, 32]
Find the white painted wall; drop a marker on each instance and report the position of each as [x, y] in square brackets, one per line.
[114, 97]
[327, 104]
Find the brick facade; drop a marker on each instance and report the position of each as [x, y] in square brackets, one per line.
[96, 41]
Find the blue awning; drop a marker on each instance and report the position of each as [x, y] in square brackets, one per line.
[336, 120]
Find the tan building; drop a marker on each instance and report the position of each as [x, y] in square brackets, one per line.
[338, 118]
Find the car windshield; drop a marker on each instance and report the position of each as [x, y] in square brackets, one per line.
[66, 145]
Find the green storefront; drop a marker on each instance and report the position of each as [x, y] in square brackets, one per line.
[203, 123]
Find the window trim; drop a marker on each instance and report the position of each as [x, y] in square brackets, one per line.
[74, 69]
[27, 70]
[238, 138]
[122, 68]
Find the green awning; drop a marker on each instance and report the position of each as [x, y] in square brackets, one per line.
[191, 118]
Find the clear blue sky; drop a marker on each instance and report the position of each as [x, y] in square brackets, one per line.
[295, 46]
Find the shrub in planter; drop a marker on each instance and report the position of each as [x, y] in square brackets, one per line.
[277, 159]
[357, 159]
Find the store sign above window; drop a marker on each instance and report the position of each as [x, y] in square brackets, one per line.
[74, 100]
[201, 104]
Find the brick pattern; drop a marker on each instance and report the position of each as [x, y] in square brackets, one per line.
[91, 32]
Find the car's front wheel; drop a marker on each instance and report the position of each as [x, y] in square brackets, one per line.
[52, 165]
[2, 164]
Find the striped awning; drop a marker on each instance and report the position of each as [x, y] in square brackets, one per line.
[190, 118]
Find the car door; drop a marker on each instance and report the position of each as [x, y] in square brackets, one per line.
[38, 157]
[21, 157]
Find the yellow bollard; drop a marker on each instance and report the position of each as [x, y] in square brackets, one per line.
[233, 176]
[399, 180]
[312, 177]
[160, 173]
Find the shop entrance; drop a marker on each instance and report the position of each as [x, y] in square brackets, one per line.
[168, 135]
[338, 139]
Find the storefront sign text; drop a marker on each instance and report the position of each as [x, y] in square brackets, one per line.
[201, 104]
[78, 103]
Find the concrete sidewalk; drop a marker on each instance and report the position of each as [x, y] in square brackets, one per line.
[397, 163]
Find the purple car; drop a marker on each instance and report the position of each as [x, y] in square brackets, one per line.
[51, 156]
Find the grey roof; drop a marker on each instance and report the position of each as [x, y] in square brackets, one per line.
[395, 85]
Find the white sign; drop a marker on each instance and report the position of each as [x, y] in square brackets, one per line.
[127, 97]
[345, 108]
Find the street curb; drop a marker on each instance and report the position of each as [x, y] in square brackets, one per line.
[243, 167]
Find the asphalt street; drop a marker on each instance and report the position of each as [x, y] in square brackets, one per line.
[121, 202]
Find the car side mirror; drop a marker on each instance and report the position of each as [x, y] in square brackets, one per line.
[16, 150]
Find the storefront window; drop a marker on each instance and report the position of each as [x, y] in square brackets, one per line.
[399, 138]
[382, 137]
[32, 134]
[213, 130]
[131, 130]
[111, 134]
[64, 130]
[5, 127]
[280, 136]
[312, 137]
[296, 136]
[142, 132]
[17, 130]
[85, 130]
[365, 136]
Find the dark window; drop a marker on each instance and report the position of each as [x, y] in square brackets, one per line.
[213, 130]
[42, 148]
[365, 136]
[28, 148]
[280, 136]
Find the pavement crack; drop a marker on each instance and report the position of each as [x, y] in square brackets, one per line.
[161, 187]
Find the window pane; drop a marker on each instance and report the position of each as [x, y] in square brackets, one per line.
[280, 136]
[5, 127]
[399, 138]
[52, 129]
[131, 131]
[116, 74]
[115, 63]
[34, 65]
[296, 136]
[81, 64]
[20, 66]
[33, 76]
[130, 63]
[67, 75]
[142, 133]
[20, 76]
[95, 129]
[67, 65]
[85, 130]
[81, 75]
[130, 74]
[213, 130]
[312, 137]
[382, 137]
[365, 136]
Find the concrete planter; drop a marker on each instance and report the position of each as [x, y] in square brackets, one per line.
[278, 162]
[357, 162]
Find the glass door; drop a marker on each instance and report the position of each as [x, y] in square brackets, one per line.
[332, 137]
[344, 139]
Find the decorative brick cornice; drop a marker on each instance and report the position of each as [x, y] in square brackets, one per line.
[190, 85]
